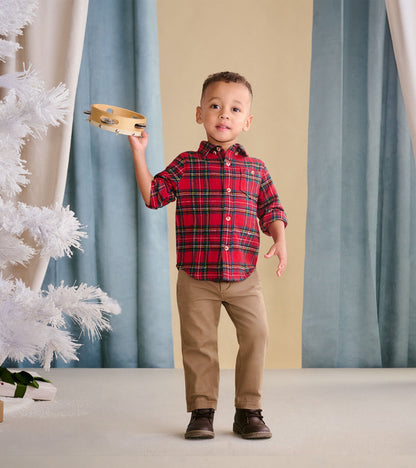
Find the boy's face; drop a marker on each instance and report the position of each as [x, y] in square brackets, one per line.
[225, 112]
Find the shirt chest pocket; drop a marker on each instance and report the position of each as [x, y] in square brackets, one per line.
[250, 181]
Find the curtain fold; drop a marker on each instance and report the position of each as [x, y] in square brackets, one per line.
[402, 21]
[53, 45]
[360, 265]
[126, 252]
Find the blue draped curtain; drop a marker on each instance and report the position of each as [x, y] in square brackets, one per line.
[360, 266]
[126, 252]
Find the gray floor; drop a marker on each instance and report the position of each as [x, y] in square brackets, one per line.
[136, 418]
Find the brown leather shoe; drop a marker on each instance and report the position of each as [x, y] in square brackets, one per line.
[201, 424]
[250, 425]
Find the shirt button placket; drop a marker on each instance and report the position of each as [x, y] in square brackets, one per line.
[227, 207]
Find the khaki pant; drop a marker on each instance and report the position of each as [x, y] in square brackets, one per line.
[199, 304]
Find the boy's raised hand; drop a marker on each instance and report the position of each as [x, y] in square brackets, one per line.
[279, 249]
[139, 143]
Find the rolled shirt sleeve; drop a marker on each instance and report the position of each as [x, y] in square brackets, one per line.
[269, 208]
[164, 186]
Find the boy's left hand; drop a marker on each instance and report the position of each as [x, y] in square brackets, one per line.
[279, 249]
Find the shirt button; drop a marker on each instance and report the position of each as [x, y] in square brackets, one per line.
[227, 162]
[228, 218]
[226, 248]
[228, 190]
[253, 173]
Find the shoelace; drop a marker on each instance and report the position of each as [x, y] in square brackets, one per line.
[254, 414]
[203, 413]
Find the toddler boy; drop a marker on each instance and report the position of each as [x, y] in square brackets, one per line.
[220, 193]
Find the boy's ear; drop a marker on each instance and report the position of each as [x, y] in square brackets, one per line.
[198, 115]
[248, 123]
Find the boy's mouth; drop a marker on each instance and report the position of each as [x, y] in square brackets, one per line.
[222, 127]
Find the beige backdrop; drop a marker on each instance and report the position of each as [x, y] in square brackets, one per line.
[268, 41]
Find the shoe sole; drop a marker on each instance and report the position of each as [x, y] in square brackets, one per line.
[199, 435]
[252, 435]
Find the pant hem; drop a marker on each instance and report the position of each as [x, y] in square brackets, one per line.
[204, 404]
[248, 404]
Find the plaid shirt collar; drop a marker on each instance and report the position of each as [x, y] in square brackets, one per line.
[206, 148]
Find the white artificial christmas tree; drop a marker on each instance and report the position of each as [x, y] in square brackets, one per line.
[32, 323]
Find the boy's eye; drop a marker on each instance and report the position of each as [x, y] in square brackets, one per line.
[215, 106]
[236, 109]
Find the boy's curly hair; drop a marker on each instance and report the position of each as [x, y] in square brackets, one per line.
[227, 77]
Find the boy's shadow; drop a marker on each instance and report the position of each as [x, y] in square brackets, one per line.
[221, 433]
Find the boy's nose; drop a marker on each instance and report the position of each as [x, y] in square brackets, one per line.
[224, 115]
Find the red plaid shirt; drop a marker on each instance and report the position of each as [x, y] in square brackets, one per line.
[219, 196]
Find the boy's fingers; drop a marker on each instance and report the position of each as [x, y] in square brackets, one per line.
[139, 141]
[271, 252]
[281, 268]
[282, 259]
